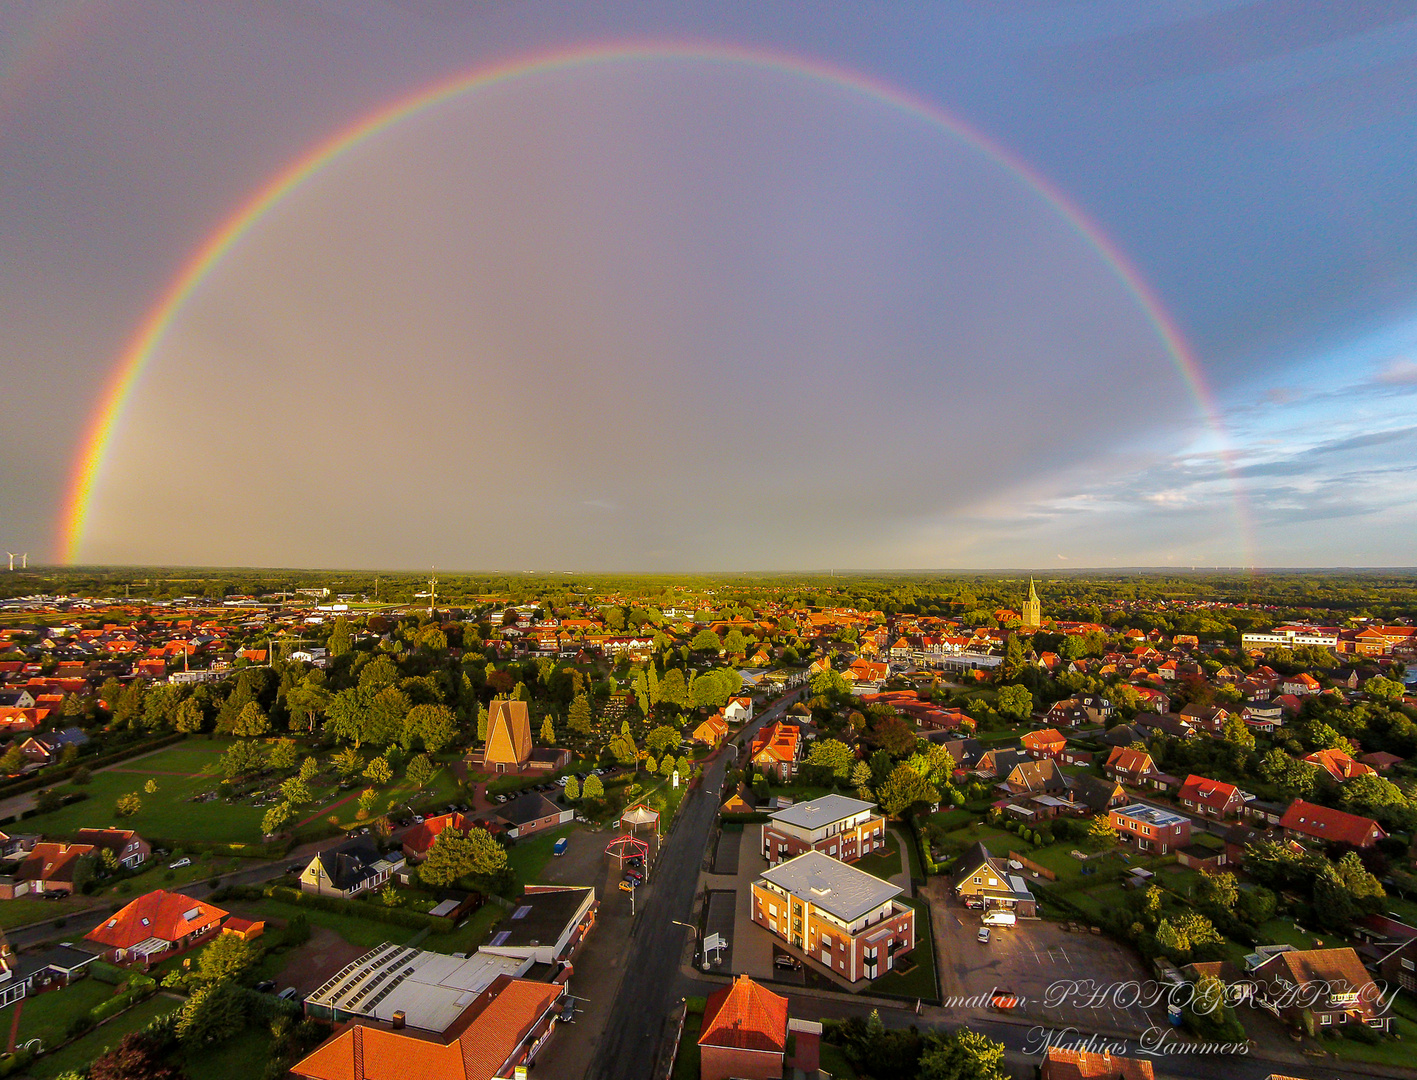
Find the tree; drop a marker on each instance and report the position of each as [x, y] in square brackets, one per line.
[734, 643]
[190, 717]
[666, 767]
[1015, 702]
[830, 683]
[378, 771]
[573, 789]
[1292, 777]
[1219, 890]
[213, 1013]
[128, 805]
[340, 641]
[251, 721]
[963, 1055]
[151, 786]
[276, 817]
[683, 766]
[651, 764]
[833, 758]
[1237, 733]
[548, 733]
[1101, 834]
[348, 763]
[482, 721]
[433, 725]
[706, 641]
[1383, 689]
[295, 792]
[241, 759]
[283, 754]
[593, 788]
[662, 739]
[456, 854]
[13, 760]
[229, 956]
[309, 769]
[420, 770]
[578, 719]
[367, 798]
[673, 690]
[138, 1056]
[903, 789]
[861, 778]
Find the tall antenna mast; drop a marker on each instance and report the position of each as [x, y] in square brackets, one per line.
[432, 592]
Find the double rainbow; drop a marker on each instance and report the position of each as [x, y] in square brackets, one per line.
[154, 326]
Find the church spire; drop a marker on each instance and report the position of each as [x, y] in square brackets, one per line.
[1032, 608]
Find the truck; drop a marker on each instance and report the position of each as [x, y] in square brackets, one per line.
[561, 845]
[999, 918]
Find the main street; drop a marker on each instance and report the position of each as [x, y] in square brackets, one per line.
[652, 984]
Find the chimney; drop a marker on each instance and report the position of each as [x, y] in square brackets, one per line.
[397, 1022]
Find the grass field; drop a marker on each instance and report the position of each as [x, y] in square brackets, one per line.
[884, 864]
[1389, 1052]
[243, 1057]
[528, 858]
[47, 1016]
[356, 931]
[998, 841]
[78, 1054]
[1283, 932]
[22, 912]
[834, 1061]
[920, 981]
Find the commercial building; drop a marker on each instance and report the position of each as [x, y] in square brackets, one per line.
[835, 825]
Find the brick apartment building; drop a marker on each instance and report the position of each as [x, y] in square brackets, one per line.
[1151, 828]
[835, 825]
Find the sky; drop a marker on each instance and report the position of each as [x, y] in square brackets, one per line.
[769, 286]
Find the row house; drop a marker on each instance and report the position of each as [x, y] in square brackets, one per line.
[838, 916]
[835, 825]
[1151, 828]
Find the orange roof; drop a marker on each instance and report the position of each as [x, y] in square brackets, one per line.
[745, 1016]
[500, 1020]
[1037, 740]
[1132, 761]
[1338, 764]
[159, 914]
[778, 741]
[1083, 1065]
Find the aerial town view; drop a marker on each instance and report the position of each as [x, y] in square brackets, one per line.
[688, 541]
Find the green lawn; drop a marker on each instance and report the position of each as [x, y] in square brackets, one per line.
[78, 1054]
[998, 841]
[356, 931]
[686, 1063]
[1283, 932]
[884, 864]
[528, 857]
[949, 820]
[1058, 858]
[920, 981]
[243, 1057]
[834, 1061]
[47, 1016]
[1389, 1052]
[167, 814]
[1096, 901]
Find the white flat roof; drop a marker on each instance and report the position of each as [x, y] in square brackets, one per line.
[821, 811]
[832, 885]
[430, 989]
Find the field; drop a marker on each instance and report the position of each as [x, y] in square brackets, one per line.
[190, 768]
[242, 1057]
[78, 1054]
[47, 1016]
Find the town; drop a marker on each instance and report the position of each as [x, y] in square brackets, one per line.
[876, 828]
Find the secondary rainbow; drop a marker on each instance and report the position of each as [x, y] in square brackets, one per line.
[154, 326]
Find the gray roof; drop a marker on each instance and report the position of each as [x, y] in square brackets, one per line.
[838, 889]
[821, 811]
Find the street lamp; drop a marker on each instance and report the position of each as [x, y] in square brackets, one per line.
[689, 926]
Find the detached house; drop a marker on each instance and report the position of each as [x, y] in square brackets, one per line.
[1036, 778]
[745, 1035]
[1047, 743]
[1151, 828]
[353, 868]
[158, 923]
[1135, 767]
[739, 710]
[1339, 766]
[1210, 798]
[776, 749]
[1308, 821]
[712, 731]
[1321, 989]
[986, 879]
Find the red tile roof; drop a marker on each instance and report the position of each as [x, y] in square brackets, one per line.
[778, 741]
[1324, 823]
[745, 1016]
[1083, 1065]
[159, 914]
[1204, 791]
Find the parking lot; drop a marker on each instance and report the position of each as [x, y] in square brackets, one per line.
[1033, 956]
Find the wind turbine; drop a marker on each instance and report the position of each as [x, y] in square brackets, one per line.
[25, 561]
[12, 555]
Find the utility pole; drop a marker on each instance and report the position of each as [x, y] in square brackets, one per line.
[432, 592]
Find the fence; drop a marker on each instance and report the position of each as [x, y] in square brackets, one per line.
[1038, 868]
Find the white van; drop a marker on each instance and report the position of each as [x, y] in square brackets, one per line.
[999, 918]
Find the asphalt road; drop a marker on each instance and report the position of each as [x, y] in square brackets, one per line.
[652, 984]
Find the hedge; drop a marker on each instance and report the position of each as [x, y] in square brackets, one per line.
[16, 1062]
[416, 920]
[274, 850]
[104, 972]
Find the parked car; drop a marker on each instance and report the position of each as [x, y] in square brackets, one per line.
[266, 986]
[418, 819]
[561, 781]
[983, 936]
[974, 904]
[179, 864]
[625, 886]
[791, 963]
[288, 994]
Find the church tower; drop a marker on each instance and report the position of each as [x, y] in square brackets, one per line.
[1032, 609]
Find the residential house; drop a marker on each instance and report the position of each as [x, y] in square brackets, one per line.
[1380, 760]
[1398, 967]
[1210, 798]
[1300, 685]
[1128, 766]
[1151, 828]
[1339, 766]
[1097, 794]
[547, 925]
[154, 924]
[1320, 989]
[995, 764]
[746, 1034]
[980, 876]
[1065, 1064]
[739, 710]
[1308, 821]
[838, 916]
[712, 731]
[128, 848]
[354, 868]
[47, 869]
[776, 750]
[835, 825]
[500, 1029]
[418, 840]
[1047, 743]
[44, 748]
[531, 813]
[1036, 778]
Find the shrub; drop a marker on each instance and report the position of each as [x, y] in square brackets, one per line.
[16, 1062]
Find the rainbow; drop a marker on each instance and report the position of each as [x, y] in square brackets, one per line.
[135, 357]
